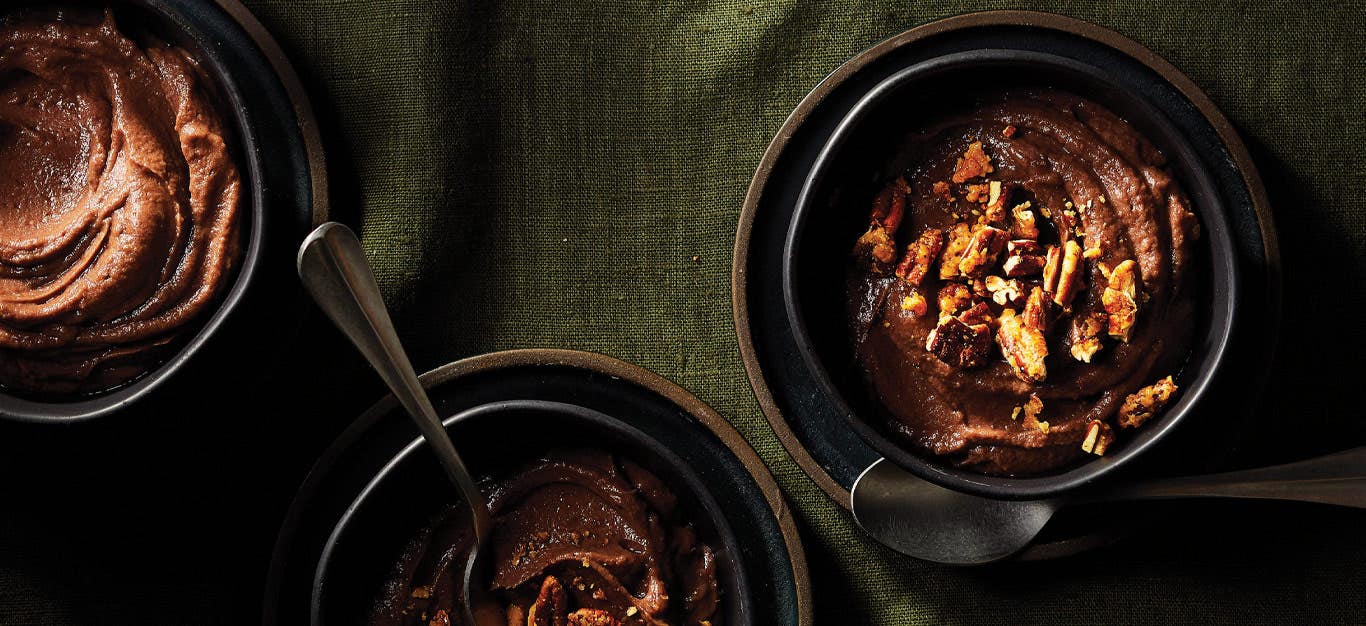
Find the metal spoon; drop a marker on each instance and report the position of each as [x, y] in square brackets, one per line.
[926, 521]
[333, 269]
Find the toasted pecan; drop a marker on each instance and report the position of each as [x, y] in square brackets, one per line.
[1024, 347]
[1141, 405]
[1119, 300]
[958, 238]
[973, 164]
[920, 255]
[983, 248]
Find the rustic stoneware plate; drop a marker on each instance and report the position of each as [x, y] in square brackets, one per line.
[812, 425]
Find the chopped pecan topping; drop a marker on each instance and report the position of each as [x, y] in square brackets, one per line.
[876, 248]
[1099, 436]
[920, 255]
[996, 206]
[915, 304]
[986, 244]
[960, 344]
[1004, 292]
[954, 297]
[1091, 254]
[978, 313]
[441, 618]
[1086, 332]
[1068, 224]
[943, 190]
[1051, 268]
[1038, 311]
[1069, 276]
[976, 193]
[973, 164]
[592, 617]
[1023, 258]
[1022, 224]
[958, 240]
[1024, 347]
[1031, 410]
[550, 605]
[1141, 405]
[1008, 132]
[1119, 300]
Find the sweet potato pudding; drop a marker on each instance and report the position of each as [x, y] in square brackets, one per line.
[1040, 297]
[119, 202]
[580, 538]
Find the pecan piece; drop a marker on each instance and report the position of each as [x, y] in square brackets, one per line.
[1069, 275]
[1023, 258]
[942, 190]
[984, 247]
[954, 297]
[915, 304]
[1024, 347]
[1038, 311]
[1119, 301]
[592, 617]
[974, 163]
[1141, 405]
[977, 314]
[1031, 410]
[920, 256]
[959, 344]
[550, 605]
[957, 242]
[1099, 436]
[1023, 224]
[876, 248]
[976, 193]
[1004, 292]
[1051, 266]
[1008, 132]
[1086, 332]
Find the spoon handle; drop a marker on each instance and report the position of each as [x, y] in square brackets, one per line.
[333, 269]
[1338, 478]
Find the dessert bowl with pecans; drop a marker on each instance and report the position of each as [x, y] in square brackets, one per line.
[1012, 275]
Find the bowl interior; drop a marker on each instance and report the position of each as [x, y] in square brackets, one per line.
[864, 152]
[495, 439]
[142, 20]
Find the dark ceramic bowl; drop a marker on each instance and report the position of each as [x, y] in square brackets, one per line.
[832, 211]
[168, 22]
[495, 438]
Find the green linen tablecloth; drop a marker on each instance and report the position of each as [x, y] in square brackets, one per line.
[569, 174]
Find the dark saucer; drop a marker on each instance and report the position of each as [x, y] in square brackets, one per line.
[811, 426]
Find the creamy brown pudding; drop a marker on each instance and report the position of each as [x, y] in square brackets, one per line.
[580, 538]
[1024, 289]
[119, 202]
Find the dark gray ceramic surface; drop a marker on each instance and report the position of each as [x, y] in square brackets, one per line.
[831, 212]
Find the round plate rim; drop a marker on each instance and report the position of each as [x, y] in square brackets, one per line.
[1038, 19]
[589, 361]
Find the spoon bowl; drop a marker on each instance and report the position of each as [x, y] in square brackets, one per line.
[929, 522]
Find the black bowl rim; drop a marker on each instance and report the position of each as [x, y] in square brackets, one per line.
[99, 404]
[596, 419]
[1216, 232]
